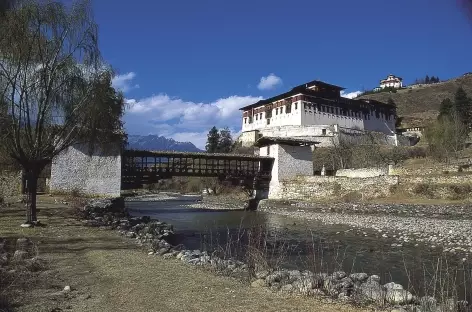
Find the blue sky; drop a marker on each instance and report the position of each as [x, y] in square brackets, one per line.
[185, 66]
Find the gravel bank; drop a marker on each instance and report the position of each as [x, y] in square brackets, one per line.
[194, 201]
[436, 226]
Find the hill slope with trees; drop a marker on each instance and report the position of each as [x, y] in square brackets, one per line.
[421, 104]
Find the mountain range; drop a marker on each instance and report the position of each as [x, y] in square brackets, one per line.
[159, 143]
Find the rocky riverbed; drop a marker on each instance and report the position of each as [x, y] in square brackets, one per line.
[437, 226]
[194, 200]
[356, 287]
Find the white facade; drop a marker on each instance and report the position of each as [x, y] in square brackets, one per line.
[306, 116]
[314, 110]
[289, 162]
[391, 82]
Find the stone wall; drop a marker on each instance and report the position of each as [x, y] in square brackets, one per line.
[447, 186]
[10, 183]
[433, 169]
[98, 174]
[437, 179]
[329, 187]
[362, 173]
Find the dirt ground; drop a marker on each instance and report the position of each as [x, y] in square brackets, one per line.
[107, 272]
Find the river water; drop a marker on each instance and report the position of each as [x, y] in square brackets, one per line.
[305, 244]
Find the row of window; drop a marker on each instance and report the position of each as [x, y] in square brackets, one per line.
[339, 111]
[310, 106]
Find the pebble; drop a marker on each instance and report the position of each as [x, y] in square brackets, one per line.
[433, 225]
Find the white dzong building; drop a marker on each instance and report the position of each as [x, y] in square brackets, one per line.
[314, 109]
[391, 82]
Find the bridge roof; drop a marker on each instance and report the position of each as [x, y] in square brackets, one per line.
[264, 141]
[144, 153]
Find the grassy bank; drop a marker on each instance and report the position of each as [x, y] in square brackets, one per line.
[107, 272]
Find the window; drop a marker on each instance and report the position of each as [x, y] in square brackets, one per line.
[323, 131]
[257, 116]
[268, 121]
[245, 120]
[260, 116]
[296, 104]
[268, 150]
[281, 110]
[276, 111]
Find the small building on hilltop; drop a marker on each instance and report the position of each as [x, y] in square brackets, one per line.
[391, 81]
[315, 110]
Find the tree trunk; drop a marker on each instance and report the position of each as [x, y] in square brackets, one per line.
[32, 185]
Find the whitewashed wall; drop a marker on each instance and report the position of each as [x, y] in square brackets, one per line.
[96, 175]
[289, 162]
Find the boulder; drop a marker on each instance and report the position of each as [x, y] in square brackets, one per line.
[332, 286]
[373, 278]
[372, 291]
[392, 285]
[303, 285]
[398, 296]
[359, 277]
[276, 277]
[339, 275]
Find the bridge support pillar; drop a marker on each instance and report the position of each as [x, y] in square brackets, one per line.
[292, 157]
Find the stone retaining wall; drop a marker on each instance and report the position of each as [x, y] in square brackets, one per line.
[336, 187]
[10, 183]
[362, 173]
[329, 187]
[430, 170]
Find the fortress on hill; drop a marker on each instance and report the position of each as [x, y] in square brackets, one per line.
[316, 110]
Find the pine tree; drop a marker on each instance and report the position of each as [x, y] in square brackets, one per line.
[446, 108]
[213, 139]
[427, 80]
[226, 141]
[463, 106]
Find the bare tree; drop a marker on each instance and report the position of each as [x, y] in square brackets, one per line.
[55, 91]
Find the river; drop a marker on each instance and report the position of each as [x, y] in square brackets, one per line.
[312, 245]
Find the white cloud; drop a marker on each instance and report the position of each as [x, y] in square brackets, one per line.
[124, 82]
[269, 82]
[184, 120]
[350, 95]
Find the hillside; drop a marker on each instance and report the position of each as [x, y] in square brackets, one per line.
[420, 104]
[159, 143]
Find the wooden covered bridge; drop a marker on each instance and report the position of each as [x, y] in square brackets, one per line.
[146, 167]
